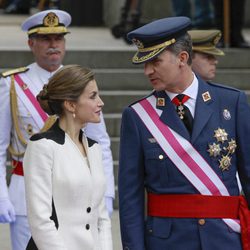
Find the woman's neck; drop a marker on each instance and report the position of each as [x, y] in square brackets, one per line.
[71, 127]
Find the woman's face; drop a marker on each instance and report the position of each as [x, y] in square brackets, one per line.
[89, 104]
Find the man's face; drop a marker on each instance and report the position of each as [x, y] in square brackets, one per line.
[165, 72]
[204, 65]
[48, 50]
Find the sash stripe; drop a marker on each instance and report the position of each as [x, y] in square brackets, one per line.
[182, 154]
[182, 147]
[169, 150]
[35, 107]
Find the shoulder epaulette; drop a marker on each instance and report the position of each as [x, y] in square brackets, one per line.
[144, 97]
[14, 71]
[219, 85]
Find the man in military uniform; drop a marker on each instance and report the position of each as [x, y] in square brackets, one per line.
[21, 116]
[183, 144]
[205, 52]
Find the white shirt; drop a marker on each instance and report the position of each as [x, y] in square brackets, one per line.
[192, 92]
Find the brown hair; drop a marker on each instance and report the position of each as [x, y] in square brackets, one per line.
[67, 83]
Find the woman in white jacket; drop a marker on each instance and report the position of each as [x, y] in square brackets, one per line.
[64, 177]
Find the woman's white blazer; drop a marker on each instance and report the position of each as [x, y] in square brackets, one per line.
[60, 182]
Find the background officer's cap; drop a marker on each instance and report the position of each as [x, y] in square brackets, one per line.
[151, 39]
[205, 41]
[47, 22]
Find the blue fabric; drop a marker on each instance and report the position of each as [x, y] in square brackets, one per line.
[160, 30]
[140, 167]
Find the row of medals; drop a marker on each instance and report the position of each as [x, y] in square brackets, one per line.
[217, 149]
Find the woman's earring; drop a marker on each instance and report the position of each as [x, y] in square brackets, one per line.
[74, 115]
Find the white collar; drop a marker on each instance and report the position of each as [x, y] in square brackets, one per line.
[191, 90]
[42, 73]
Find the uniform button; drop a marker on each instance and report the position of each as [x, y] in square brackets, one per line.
[87, 226]
[88, 209]
[161, 157]
[201, 222]
[150, 231]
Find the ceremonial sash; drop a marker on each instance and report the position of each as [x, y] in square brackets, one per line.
[184, 156]
[29, 100]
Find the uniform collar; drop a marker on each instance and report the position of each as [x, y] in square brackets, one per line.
[44, 74]
[191, 90]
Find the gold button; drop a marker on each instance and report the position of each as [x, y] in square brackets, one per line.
[161, 157]
[201, 222]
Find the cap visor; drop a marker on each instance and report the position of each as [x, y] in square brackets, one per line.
[142, 57]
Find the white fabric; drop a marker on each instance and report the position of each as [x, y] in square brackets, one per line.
[98, 132]
[7, 212]
[192, 92]
[60, 172]
[35, 77]
[20, 233]
[109, 205]
[37, 19]
[27, 102]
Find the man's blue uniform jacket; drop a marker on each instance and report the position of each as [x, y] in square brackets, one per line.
[141, 168]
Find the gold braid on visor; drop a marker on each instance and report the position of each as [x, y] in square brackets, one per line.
[158, 46]
[203, 47]
[48, 30]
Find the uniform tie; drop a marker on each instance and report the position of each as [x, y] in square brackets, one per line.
[183, 111]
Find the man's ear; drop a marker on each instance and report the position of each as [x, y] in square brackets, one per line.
[183, 57]
[69, 106]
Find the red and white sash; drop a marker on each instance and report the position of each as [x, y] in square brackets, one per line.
[181, 152]
[29, 100]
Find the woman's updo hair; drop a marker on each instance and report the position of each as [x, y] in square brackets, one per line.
[67, 83]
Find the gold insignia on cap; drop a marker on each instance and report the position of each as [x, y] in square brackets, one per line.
[220, 135]
[206, 96]
[160, 101]
[51, 20]
[217, 39]
[225, 162]
[138, 43]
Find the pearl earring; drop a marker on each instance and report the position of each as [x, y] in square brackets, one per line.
[74, 115]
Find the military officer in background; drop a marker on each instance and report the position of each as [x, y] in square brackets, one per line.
[21, 117]
[205, 52]
[183, 144]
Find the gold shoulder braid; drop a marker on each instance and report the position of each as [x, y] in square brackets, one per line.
[14, 110]
[49, 123]
[14, 71]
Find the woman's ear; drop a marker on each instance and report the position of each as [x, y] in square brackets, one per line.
[69, 106]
